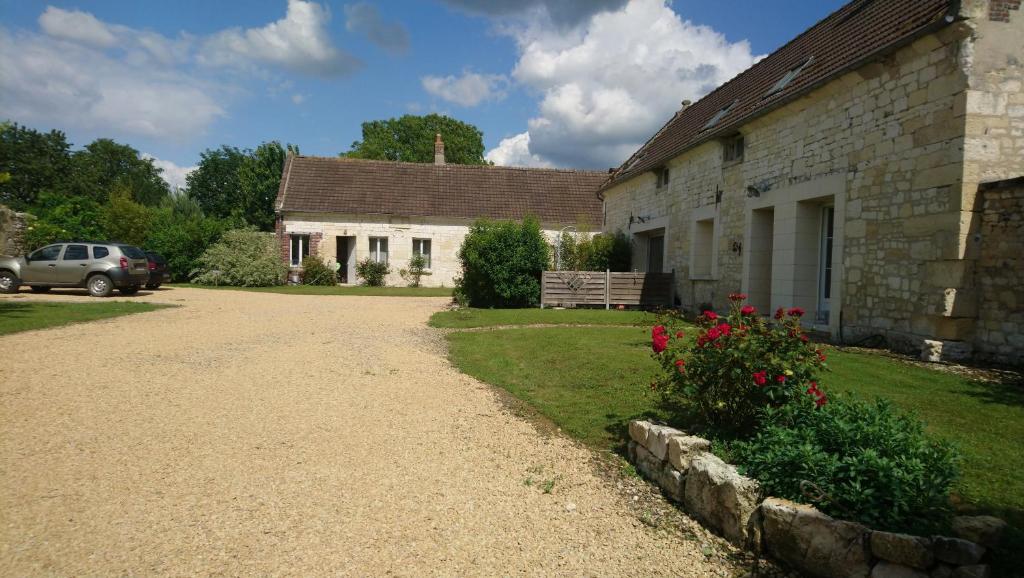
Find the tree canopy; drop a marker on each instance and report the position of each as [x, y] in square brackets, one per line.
[410, 138]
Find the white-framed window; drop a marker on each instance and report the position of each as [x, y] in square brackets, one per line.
[663, 175]
[299, 249]
[379, 249]
[422, 247]
[732, 149]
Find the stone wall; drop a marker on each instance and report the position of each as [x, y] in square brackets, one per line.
[999, 273]
[898, 147]
[815, 544]
[12, 229]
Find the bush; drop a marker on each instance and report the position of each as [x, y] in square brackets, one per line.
[316, 272]
[738, 365]
[181, 233]
[868, 462]
[417, 267]
[373, 273]
[242, 258]
[502, 263]
[597, 253]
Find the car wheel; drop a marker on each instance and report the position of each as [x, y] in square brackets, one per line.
[152, 285]
[129, 290]
[9, 282]
[100, 286]
[39, 289]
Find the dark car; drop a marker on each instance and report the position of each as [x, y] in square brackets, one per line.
[158, 273]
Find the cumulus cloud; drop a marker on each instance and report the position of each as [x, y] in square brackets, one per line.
[365, 19]
[612, 82]
[514, 151]
[468, 89]
[76, 25]
[52, 80]
[173, 174]
[299, 42]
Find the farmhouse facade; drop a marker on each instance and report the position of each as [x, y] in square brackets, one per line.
[347, 210]
[844, 174]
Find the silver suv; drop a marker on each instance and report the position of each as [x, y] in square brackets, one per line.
[99, 267]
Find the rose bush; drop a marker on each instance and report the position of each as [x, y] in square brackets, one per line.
[737, 365]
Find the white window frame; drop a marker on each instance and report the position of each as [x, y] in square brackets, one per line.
[417, 248]
[375, 249]
[303, 239]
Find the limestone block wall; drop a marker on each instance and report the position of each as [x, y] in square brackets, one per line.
[12, 229]
[999, 273]
[446, 236]
[883, 144]
[715, 494]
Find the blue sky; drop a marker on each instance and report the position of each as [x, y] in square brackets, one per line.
[550, 83]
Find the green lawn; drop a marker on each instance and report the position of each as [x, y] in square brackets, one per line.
[18, 316]
[335, 290]
[592, 381]
[464, 318]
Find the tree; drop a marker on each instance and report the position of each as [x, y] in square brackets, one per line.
[215, 184]
[35, 162]
[411, 139]
[125, 220]
[105, 166]
[259, 177]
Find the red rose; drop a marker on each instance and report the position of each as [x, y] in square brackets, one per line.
[795, 312]
[679, 364]
[737, 296]
[761, 377]
[714, 333]
[659, 343]
[778, 313]
[710, 315]
[780, 379]
[803, 338]
[748, 310]
[724, 328]
[657, 330]
[821, 355]
[821, 400]
[679, 334]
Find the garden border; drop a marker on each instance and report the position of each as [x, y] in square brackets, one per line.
[715, 494]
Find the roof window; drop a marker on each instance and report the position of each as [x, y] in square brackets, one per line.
[788, 77]
[720, 115]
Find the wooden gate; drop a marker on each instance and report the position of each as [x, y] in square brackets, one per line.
[574, 288]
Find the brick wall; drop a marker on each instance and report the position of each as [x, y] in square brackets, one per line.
[999, 273]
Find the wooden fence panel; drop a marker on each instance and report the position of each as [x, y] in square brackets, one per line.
[572, 288]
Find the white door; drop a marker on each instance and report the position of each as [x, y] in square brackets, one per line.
[825, 264]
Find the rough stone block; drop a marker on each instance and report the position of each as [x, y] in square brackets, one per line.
[719, 496]
[672, 481]
[682, 449]
[957, 551]
[638, 430]
[886, 569]
[658, 437]
[934, 350]
[984, 530]
[972, 571]
[814, 543]
[649, 465]
[913, 551]
[941, 571]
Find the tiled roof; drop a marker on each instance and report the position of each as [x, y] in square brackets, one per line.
[354, 186]
[845, 39]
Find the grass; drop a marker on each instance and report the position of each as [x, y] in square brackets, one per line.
[334, 290]
[26, 316]
[467, 318]
[592, 381]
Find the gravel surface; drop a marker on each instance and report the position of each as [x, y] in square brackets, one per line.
[249, 433]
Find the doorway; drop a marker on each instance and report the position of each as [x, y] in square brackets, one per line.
[656, 253]
[344, 247]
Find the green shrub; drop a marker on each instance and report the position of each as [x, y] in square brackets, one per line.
[316, 272]
[180, 232]
[242, 258]
[868, 462]
[61, 217]
[737, 365]
[416, 270]
[593, 253]
[502, 263]
[374, 274]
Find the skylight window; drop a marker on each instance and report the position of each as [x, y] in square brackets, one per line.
[719, 115]
[788, 77]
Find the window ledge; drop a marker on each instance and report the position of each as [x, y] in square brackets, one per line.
[732, 163]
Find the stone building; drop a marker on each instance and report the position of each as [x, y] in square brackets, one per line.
[841, 174]
[346, 210]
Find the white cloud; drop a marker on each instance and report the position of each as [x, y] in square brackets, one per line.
[299, 42]
[469, 89]
[58, 82]
[76, 25]
[174, 175]
[609, 84]
[365, 18]
[515, 152]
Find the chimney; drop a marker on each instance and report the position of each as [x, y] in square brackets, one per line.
[438, 150]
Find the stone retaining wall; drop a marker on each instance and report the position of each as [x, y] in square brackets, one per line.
[714, 493]
[12, 231]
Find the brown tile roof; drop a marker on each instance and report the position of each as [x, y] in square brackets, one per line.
[353, 186]
[844, 40]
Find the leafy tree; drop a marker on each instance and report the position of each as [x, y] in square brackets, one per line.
[125, 220]
[105, 166]
[215, 184]
[259, 178]
[410, 138]
[180, 232]
[34, 162]
[62, 217]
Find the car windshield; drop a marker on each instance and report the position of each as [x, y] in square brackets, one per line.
[132, 252]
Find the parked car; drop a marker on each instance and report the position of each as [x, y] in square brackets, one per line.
[97, 266]
[158, 272]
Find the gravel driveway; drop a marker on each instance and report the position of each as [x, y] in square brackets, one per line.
[249, 433]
